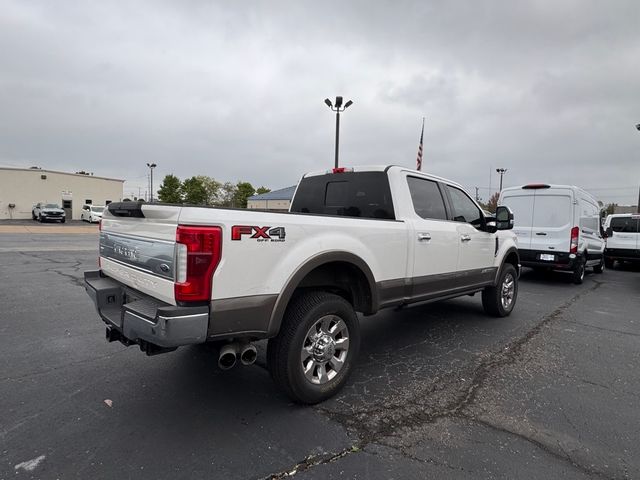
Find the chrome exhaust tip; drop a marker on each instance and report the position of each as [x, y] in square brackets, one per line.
[228, 356]
[248, 354]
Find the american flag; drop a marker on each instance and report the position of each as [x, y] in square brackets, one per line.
[419, 159]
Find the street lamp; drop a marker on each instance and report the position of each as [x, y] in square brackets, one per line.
[151, 167]
[338, 107]
[638, 209]
[501, 171]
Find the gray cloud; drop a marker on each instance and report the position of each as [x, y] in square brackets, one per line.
[545, 89]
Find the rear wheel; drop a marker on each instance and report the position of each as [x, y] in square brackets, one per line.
[500, 300]
[578, 270]
[608, 262]
[316, 348]
[600, 267]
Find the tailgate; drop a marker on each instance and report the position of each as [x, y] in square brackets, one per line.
[137, 247]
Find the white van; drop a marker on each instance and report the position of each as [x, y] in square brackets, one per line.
[623, 238]
[558, 227]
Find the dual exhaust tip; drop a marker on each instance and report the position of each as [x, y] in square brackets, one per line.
[230, 353]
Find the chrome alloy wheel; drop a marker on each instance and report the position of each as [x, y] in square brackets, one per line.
[507, 291]
[325, 349]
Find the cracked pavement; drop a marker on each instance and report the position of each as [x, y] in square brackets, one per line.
[440, 390]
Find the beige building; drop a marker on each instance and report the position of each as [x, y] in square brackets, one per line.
[278, 200]
[22, 188]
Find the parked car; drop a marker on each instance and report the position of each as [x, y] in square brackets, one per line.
[558, 227]
[623, 238]
[355, 240]
[48, 211]
[91, 213]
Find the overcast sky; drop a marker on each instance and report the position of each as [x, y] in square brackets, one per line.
[549, 90]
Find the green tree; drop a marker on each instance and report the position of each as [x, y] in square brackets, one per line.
[262, 190]
[170, 190]
[243, 191]
[226, 195]
[610, 209]
[492, 204]
[212, 187]
[194, 191]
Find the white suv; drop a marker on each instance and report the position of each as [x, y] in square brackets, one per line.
[91, 213]
[623, 238]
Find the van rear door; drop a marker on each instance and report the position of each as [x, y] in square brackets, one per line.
[552, 220]
[521, 204]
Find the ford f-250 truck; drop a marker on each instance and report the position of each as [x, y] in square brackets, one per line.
[355, 240]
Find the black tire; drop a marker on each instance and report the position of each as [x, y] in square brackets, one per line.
[579, 270]
[40, 219]
[600, 267]
[63, 220]
[33, 216]
[284, 361]
[492, 297]
[608, 262]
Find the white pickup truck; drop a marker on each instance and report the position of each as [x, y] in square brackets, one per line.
[355, 240]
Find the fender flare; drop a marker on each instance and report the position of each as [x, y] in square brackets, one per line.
[508, 252]
[311, 264]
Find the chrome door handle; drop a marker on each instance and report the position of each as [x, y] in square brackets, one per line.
[424, 237]
[465, 238]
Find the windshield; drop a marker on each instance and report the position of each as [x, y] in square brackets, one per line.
[51, 205]
[97, 209]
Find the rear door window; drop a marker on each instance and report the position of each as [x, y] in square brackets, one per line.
[522, 208]
[427, 198]
[552, 211]
[625, 225]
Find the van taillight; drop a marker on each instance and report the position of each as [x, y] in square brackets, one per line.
[198, 255]
[575, 231]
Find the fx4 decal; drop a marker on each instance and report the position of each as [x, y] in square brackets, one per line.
[261, 234]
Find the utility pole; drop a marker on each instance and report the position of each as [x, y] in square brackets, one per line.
[337, 108]
[638, 207]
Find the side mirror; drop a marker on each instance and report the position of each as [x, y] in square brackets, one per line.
[609, 232]
[490, 224]
[504, 218]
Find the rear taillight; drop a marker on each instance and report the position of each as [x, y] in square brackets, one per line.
[198, 254]
[575, 231]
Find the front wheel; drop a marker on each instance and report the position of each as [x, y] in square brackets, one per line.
[316, 348]
[500, 300]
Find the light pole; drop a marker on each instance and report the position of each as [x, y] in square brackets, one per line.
[501, 171]
[337, 108]
[638, 208]
[151, 167]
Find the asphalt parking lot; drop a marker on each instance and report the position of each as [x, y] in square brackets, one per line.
[440, 390]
